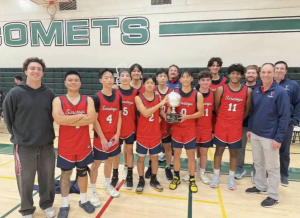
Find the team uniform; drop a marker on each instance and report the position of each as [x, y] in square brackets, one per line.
[165, 127]
[229, 126]
[108, 108]
[128, 129]
[148, 129]
[185, 133]
[217, 83]
[141, 89]
[204, 125]
[74, 144]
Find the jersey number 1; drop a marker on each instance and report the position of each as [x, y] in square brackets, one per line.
[232, 107]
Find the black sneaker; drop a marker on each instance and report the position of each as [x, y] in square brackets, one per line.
[114, 181]
[284, 181]
[156, 185]
[269, 202]
[169, 174]
[140, 186]
[129, 182]
[254, 190]
[148, 173]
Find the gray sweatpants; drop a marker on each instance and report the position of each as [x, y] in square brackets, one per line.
[265, 159]
[28, 161]
[241, 151]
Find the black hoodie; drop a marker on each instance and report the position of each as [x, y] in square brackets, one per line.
[28, 115]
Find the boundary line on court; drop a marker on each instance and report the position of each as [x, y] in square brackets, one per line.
[218, 189]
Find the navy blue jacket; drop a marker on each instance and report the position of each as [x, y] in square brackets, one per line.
[270, 113]
[175, 85]
[293, 90]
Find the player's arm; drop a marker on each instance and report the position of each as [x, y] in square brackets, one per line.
[91, 115]
[200, 108]
[119, 125]
[218, 94]
[162, 113]
[146, 112]
[59, 116]
[248, 103]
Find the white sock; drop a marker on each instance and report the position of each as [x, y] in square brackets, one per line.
[202, 170]
[65, 201]
[216, 172]
[198, 160]
[93, 186]
[231, 173]
[83, 198]
[106, 182]
[167, 166]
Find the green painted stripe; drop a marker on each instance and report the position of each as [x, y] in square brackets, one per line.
[190, 205]
[229, 27]
[16, 207]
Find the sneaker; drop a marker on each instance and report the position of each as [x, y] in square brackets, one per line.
[148, 173]
[94, 199]
[252, 177]
[87, 206]
[175, 182]
[63, 212]
[49, 212]
[169, 175]
[269, 202]
[111, 191]
[129, 182]
[172, 160]
[215, 181]
[125, 170]
[161, 157]
[156, 185]
[204, 178]
[231, 183]
[254, 190]
[284, 181]
[140, 186]
[27, 216]
[193, 186]
[239, 173]
[186, 178]
[114, 181]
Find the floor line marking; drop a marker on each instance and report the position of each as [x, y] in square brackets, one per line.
[218, 189]
[12, 178]
[2, 165]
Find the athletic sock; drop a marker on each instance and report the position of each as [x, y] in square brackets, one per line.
[115, 173]
[231, 173]
[202, 170]
[129, 172]
[153, 177]
[192, 177]
[93, 186]
[167, 166]
[198, 160]
[125, 165]
[65, 201]
[149, 163]
[106, 182]
[141, 177]
[176, 173]
[83, 198]
[217, 172]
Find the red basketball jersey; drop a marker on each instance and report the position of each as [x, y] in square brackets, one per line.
[129, 114]
[213, 87]
[74, 140]
[233, 103]
[108, 114]
[205, 122]
[188, 106]
[148, 128]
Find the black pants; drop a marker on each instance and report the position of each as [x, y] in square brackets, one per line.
[284, 152]
[28, 161]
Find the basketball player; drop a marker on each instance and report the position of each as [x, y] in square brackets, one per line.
[136, 72]
[148, 131]
[74, 112]
[108, 104]
[128, 129]
[232, 105]
[184, 133]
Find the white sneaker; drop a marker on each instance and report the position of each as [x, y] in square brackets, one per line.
[172, 160]
[161, 157]
[111, 191]
[125, 170]
[27, 216]
[186, 178]
[94, 199]
[204, 178]
[49, 212]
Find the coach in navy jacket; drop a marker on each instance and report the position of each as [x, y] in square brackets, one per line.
[292, 89]
[268, 120]
[173, 81]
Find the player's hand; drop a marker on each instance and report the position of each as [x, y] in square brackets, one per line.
[276, 145]
[249, 135]
[115, 86]
[104, 143]
[182, 117]
[115, 139]
[156, 93]
[165, 100]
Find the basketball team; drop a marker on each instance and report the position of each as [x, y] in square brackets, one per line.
[218, 111]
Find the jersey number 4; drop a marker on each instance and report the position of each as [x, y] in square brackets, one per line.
[109, 119]
[232, 107]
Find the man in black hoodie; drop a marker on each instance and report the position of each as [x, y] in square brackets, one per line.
[28, 117]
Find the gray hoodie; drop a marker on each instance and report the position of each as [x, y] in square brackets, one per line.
[28, 115]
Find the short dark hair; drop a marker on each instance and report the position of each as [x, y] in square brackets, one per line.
[34, 59]
[134, 66]
[236, 67]
[173, 65]
[149, 76]
[204, 74]
[19, 78]
[101, 73]
[185, 71]
[124, 70]
[161, 71]
[215, 59]
[72, 73]
[282, 62]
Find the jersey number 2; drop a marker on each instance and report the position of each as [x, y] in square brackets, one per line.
[109, 119]
[232, 107]
[151, 118]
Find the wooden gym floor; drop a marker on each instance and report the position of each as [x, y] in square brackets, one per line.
[208, 202]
